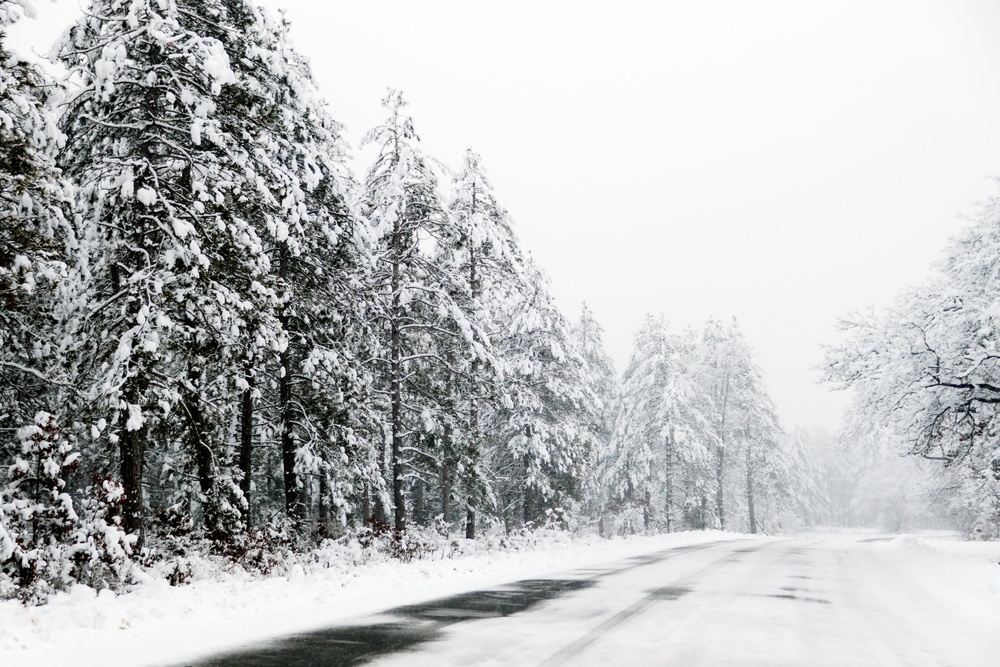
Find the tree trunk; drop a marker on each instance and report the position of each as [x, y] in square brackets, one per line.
[532, 498]
[366, 506]
[446, 492]
[293, 494]
[132, 446]
[294, 503]
[396, 387]
[196, 440]
[448, 462]
[398, 501]
[246, 444]
[751, 518]
[526, 508]
[381, 512]
[470, 522]
[419, 503]
[668, 505]
[474, 285]
[720, 458]
[325, 525]
[203, 457]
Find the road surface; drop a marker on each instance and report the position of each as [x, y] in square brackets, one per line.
[749, 602]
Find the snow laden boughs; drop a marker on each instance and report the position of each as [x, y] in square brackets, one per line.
[168, 268]
[546, 433]
[425, 336]
[45, 546]
[744, 428]
[486, 266]
[658, 446]
[33, 203]
[321, 254]
[927, 367]
[31, 208]
[219, 287]
[693, 409]
[601, 375]
[602, 380]
[12, 11]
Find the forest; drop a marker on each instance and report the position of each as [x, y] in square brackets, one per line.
[215, 339]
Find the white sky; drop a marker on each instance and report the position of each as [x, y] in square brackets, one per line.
[783, 162]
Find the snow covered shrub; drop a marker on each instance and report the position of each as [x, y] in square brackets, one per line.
[266, 549]
[223, 519]
[380, 539]
[631, 520]
[179, 571]
[44, 544]
[173, 521]
[558, 518]
[103, 550]
[411, 544]
[441, 526]
[181, 546]
[37, 518]
[172, 533]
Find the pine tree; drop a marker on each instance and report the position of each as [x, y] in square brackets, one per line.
[546, 434]
[602, 381]
[762, 440]
[33, 231]
[419, 320]
[602, 377]
[172, 273]
[807, 500]
[745, 429]
[486, 264]
[659, 432]
[317, 254]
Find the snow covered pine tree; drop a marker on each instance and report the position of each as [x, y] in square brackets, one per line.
[424, 332]
[32, 232]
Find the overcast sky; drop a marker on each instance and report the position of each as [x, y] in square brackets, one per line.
[782, 162]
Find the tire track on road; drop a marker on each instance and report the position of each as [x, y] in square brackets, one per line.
[677, 588]
[653, 558]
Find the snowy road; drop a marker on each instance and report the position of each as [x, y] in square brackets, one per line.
[750, 602]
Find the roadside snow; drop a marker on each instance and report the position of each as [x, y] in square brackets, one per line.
[969, 571]
[162, 625]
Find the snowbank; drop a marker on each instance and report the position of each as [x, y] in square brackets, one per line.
[966, 570]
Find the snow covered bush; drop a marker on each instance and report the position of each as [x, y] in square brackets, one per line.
[630, 520]
[33, 203]
[103, 551]
[31, 208]
[44, 544]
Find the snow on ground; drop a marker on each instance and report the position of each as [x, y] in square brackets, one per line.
[943, 560]
[162, 625]
[952, 568]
